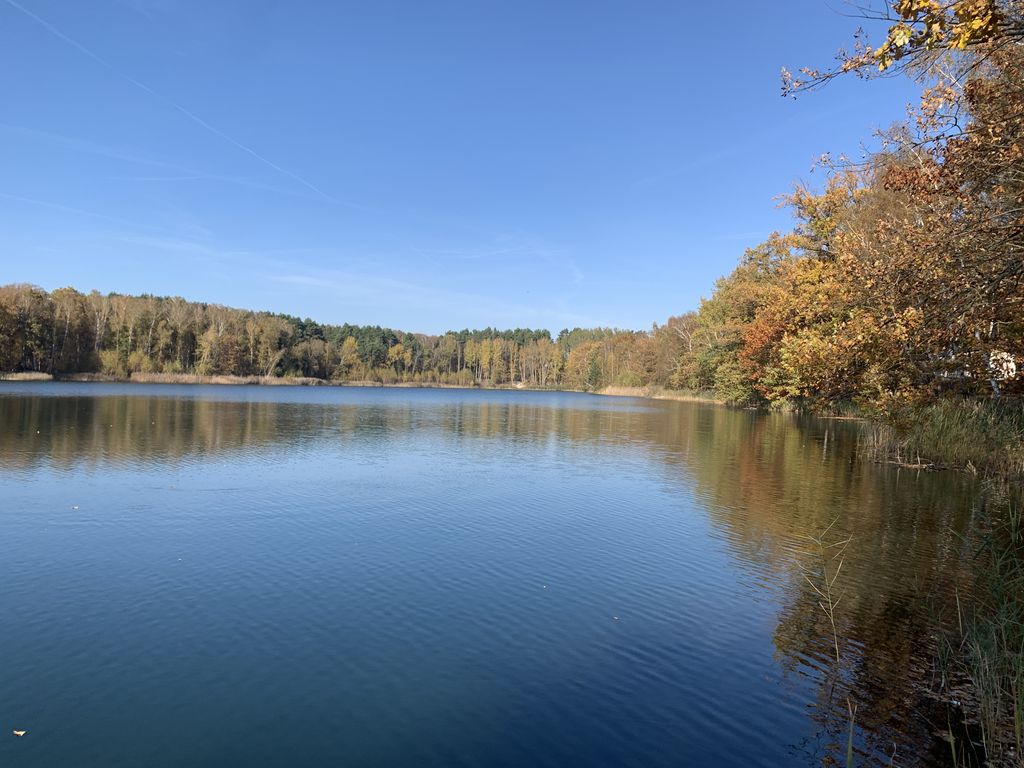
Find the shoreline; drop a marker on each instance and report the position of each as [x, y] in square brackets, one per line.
[263, 381]
[924, 447]
[658, 393]
[645, 393]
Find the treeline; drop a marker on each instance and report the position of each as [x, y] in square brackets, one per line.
[66, 331]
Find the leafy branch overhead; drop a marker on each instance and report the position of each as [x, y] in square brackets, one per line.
[918, 33]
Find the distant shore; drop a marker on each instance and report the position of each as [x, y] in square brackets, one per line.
[648, 393]
[268, 381]
[977, 437]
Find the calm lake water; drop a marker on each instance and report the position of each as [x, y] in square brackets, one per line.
[261, 576]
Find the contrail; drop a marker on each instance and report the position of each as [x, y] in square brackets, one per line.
[187, 113]
[84, 212]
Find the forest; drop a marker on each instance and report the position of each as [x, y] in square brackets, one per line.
[67, 332]
[901, 282]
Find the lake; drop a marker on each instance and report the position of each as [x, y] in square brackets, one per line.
[291, 576]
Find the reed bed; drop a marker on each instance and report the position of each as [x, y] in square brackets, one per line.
[26, 376]
[984, 437]
[186, 378]
[986, 655]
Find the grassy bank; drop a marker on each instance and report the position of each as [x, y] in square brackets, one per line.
[981, 437]
[271, 381]
[183, 378]
[21, 376]
[985, 437]
[982, 662]
[436, 385]
[660, 393]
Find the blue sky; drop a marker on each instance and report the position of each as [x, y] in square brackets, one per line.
[421, 165]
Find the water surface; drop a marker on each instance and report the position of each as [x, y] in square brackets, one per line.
[214, 576]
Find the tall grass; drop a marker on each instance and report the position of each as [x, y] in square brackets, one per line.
[986, 437]
[982, 658]
[661, 393]
[995, 642]
[828, 557]
[25, 376]
[988, 650]
[188, 378]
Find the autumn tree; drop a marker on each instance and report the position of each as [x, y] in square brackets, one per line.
[922, 38]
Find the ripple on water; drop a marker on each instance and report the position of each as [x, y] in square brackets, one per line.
[441, 578]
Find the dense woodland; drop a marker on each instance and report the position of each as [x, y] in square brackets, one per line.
[65, 331]
[902, 280]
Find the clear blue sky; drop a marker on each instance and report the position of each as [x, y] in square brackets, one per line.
[420, 165]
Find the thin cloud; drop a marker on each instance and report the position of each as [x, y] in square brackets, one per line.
[762, 140]
[240, 181]
[702, 162]
[180, 246]
[510, 248]
[759, 234]
[80, 211]
[375, 291]
[149, 8]
[180, 108]
[92, 147]
[182, 173]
